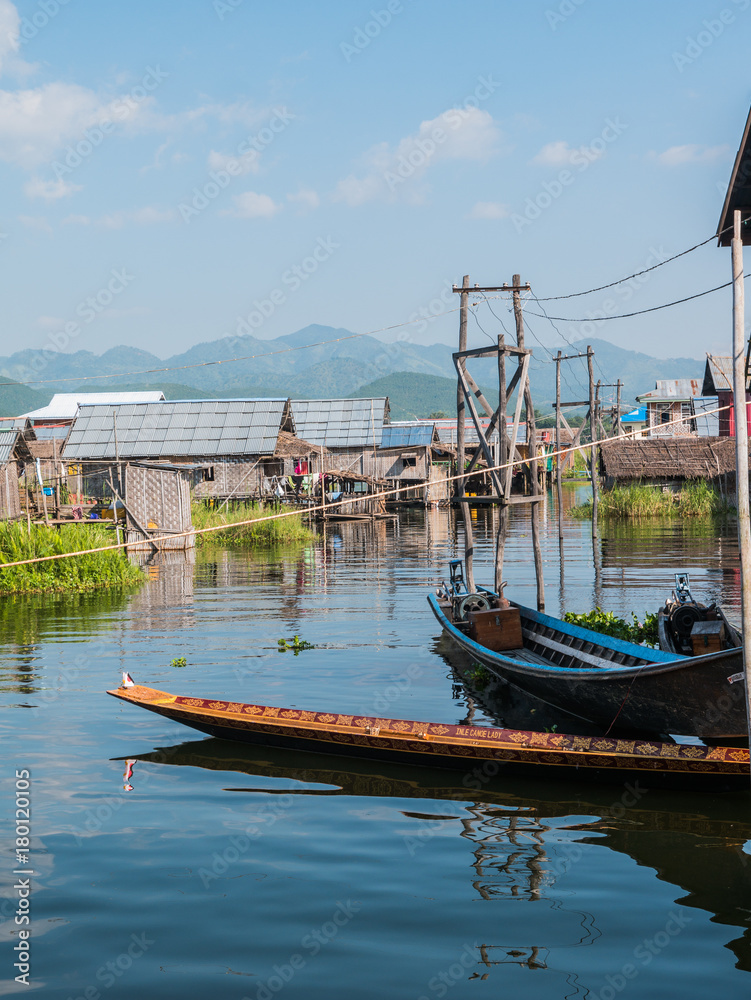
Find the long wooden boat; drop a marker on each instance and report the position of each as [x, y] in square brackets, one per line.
[441, 745]
[614, 684]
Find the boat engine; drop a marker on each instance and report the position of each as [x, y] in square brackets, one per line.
[683, 619]
[470, 602]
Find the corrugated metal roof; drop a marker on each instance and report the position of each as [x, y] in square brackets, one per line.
[63, 405]
[407, 434]
[707, 424]
[340, 423]
[637, 416]
[7, 444]
[48, 433]
[181, 428]
[718, 375]
[673, 389]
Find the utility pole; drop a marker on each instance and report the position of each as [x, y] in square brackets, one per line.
[740, 410]
[558, 486]
[469, 541]
[531, 449]
[617, 421]
[593, 457]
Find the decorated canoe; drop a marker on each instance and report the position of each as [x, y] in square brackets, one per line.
[442, 745]
[614, 684]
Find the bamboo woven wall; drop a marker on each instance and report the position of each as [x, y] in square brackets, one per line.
[157, 500]
[10, 499]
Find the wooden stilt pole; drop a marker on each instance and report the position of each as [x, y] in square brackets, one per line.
[593, 446]
[469, 543]
[503, 457]
[558, 461]
[617, 422]
[531, 451]
[740, 410]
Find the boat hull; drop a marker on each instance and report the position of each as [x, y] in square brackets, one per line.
[481, 752]
[665, 693]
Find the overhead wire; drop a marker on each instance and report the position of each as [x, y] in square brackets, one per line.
[638, 312]
[637, 274]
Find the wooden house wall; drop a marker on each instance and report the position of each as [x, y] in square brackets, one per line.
[727, 415]
[10, 499]
[159, 500]
[388, 463]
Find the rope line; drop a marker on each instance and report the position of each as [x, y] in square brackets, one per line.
[339, 503]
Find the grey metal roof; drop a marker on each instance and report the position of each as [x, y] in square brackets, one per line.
[340, 423]
[407, 435]
[7, 444]
[718, 375]
[181, 428]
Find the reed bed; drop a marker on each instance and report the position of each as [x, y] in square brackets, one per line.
[281, 531]
[696, 499]
[84, 573]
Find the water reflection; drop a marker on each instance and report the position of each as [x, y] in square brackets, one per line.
[524, 837]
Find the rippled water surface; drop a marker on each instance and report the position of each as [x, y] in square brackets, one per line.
[220, 871]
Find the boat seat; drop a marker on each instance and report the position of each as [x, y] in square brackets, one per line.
[526, 654]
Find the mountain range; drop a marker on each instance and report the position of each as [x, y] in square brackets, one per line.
[418, 379]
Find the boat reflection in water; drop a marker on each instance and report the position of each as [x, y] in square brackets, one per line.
[524, 835]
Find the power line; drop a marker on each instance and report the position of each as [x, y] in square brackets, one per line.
[636, 274]
[639, 312]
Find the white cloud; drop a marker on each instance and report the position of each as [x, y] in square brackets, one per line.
[50, 322]
[677, 156]
[76, 220]
[251, 205]
[49, 190]
[389, 172]
[239, 165]
[489, 210]
[560, 154]
[35, 222]
[306, 199]
[146, 216]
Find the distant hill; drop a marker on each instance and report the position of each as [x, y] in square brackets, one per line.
[414, 395]
[16, 398]
[346, 365]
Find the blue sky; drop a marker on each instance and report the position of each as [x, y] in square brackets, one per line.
[212, 167]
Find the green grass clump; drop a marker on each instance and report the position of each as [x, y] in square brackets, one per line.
[82, 573]
[279, 531]
[607, 623]
[695, 499]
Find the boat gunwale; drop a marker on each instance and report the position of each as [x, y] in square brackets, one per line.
[654, 665]
[591, 752]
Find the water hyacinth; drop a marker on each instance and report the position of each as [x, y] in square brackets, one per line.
[277, 531]
[81, 573]
[695, 499]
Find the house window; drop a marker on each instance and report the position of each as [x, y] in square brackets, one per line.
[410, 463]
[208, 474]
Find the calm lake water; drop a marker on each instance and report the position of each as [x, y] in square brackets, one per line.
[224, 872]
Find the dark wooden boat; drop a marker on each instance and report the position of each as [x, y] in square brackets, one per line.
[441, 745]
[614, 684]
[691, 628]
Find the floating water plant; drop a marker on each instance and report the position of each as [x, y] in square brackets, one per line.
[179, 661]
[609, 624]
[296, 644]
